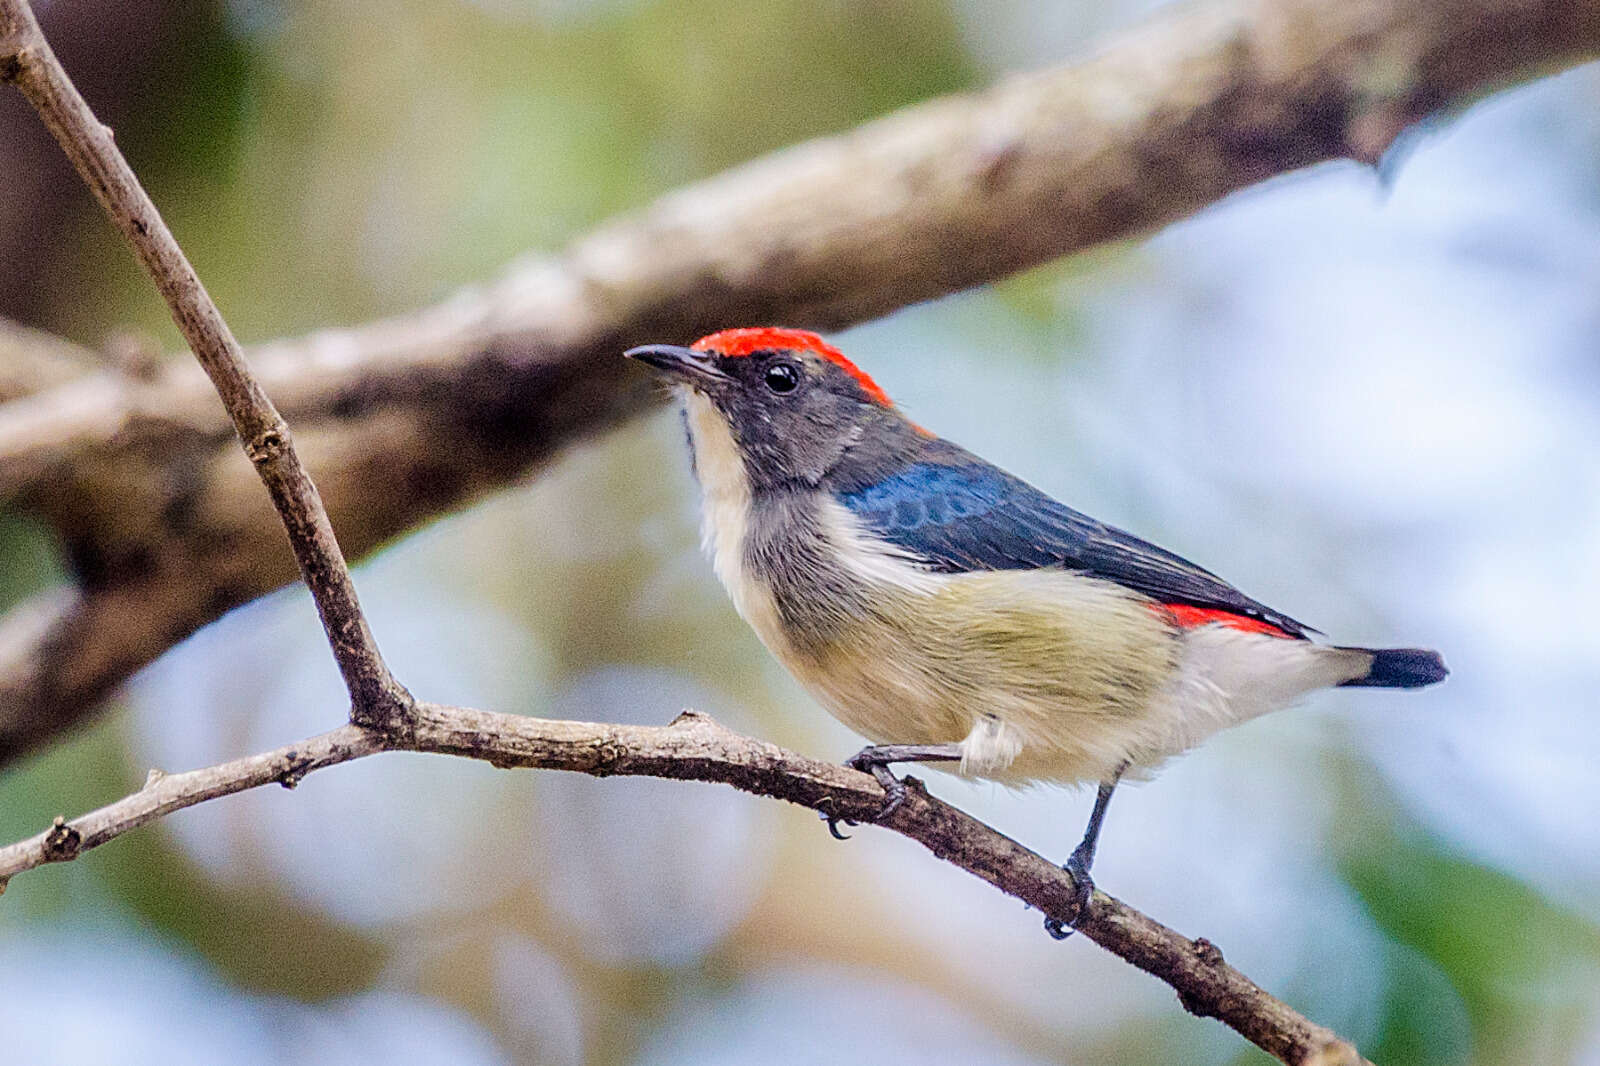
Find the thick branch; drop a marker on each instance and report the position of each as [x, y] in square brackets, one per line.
[27, 61]
[31, 361]
[695, 748]
[406, 418]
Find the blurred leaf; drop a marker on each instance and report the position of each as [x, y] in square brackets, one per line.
[1424, 1022]
[183, 135]
[187, 132]
[1525, 967]
[29, 562]
[259, 940]
[78, 773]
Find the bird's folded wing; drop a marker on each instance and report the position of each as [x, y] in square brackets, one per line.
[958, 513]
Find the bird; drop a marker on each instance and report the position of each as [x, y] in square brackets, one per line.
[950, 612]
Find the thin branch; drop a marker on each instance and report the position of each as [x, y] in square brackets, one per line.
[412, 416]
[27, 61]
[696, 748]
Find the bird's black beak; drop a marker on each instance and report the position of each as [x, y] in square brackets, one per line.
[683, 364]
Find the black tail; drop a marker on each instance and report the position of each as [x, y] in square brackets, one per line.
[1401, 668]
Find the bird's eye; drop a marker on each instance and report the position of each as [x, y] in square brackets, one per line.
[781, 377]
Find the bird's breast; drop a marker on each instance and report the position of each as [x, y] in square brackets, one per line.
[1059, 666]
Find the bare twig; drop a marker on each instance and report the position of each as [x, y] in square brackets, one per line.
[27, 61]
[696, 748]
[405, 418]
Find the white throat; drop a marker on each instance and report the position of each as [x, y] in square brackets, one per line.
[725, 516]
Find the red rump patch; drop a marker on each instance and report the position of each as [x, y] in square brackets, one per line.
[740, 342]
[1189, 616]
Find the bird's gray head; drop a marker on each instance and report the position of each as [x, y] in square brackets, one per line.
[797, 410]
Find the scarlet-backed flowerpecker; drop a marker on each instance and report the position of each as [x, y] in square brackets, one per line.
[948, 611]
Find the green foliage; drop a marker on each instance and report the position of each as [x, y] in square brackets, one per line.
[28, 560]
[1524, 966]
[192, 111]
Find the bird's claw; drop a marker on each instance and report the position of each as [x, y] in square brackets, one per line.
[1082, 894]
[894, 789]
[833, 821]
[894, 793]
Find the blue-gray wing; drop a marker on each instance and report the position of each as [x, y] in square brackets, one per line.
[965, 514]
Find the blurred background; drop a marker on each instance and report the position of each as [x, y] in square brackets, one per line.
[1375, 404]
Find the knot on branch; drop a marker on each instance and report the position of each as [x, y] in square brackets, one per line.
[11, 66]
[1209, 956]
[691, 717]
[606, 756]
[267, 445]
[62, 843]
[298, 767]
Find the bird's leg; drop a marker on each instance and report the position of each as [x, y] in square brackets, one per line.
[875, 759]
[1082, 858]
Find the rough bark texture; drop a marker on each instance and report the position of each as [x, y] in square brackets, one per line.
[406, 418]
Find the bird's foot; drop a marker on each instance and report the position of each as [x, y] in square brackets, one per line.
[1078, 866]
[875, 760]
[871, 760]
